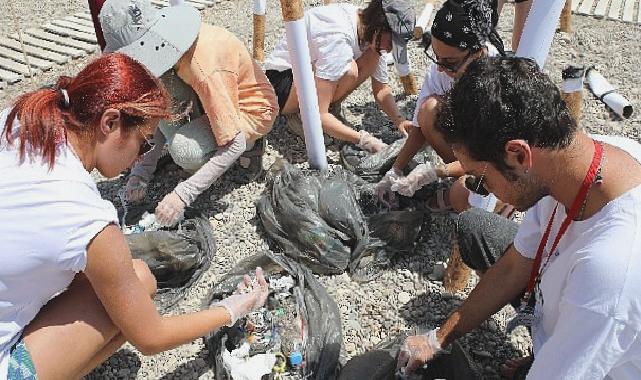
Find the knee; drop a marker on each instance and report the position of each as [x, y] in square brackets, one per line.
[146, 278]
[427, 116]
[458, 195]
[467, 231]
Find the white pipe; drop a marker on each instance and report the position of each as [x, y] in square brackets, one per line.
[539, 30]
[600, 86]
[423, 20]
[403, 69]
[260, 6]
[296, 32]
[176, 2]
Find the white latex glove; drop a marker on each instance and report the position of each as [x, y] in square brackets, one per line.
[419, 177]
[249, 297]
[370, 143]
[417, 350]
[384, 186]
[170, 210]
[135, 189]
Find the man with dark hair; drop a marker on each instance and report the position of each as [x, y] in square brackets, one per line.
[575, 261]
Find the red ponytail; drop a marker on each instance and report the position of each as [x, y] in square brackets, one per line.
[111, 81]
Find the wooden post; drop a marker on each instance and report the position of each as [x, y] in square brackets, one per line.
[259, 37]
[457, 273]
[409, 84]
[572, 90]
[566, 17]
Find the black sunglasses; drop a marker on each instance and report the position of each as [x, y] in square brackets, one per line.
[426, 42]
[146, 145]
[475, 184]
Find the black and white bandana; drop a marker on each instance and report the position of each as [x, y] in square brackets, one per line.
[466, 24]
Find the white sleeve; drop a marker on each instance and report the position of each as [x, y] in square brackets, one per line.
[86, 215]
[427, 89]
[584, 345]
[381, 74]
[334, 57]
[528, 237]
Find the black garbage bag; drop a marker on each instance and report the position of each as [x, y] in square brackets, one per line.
[380, 364]
[316, 219]
[370, 165]
[317, 309]
[177, 256]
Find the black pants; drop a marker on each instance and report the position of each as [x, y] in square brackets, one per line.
[282, 82]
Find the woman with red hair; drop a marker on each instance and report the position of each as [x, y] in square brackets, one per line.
[70, 293]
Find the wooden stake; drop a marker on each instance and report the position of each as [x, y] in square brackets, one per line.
[566, 17]
[409, 84]
[259, 37]
[457, 273]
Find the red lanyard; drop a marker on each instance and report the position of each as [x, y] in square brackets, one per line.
[590, 176]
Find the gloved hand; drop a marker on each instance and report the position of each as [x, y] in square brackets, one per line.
[384, 186]
[419, 177]
[170, 210]
[249, 297]
[370, 143]
[417, 350]
[135, 189]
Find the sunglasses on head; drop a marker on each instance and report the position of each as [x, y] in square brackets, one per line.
[146, 145]
[475, 184]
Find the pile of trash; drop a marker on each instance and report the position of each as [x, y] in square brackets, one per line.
[295, 336]
[177, 256]
[317, 219]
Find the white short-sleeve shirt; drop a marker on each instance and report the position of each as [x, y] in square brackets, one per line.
[588, 323]
[333, 43]
[47, 219]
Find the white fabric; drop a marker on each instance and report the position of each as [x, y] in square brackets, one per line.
[333, 43]
[47, 220]
[589, 323]
[241, 366]
[438, 83]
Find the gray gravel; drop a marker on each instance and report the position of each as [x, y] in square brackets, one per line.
[403, 296]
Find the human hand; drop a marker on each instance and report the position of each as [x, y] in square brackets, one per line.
[384, 187]
[419, 177]
[250, 296]
[417, 350]
[370, 143]
[135, 189]
[170, 210]
[405, 127]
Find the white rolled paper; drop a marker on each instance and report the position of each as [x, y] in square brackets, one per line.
[306, 88]
[260, 7]
[599, 86]
[425, 16]
[539, 30]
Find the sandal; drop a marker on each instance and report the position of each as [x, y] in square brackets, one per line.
[442, 201]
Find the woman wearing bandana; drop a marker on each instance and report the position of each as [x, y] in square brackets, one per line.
[461, 33]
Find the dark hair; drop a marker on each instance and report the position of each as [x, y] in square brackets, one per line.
[501, 99]
[111, 81]
[374, 21]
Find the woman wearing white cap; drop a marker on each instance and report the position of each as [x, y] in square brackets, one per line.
[227, 102]
[345, 49]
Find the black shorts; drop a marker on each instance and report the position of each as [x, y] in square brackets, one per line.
[282, 82]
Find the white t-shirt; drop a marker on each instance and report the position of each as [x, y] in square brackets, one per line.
[589, 323]
[47, 220]
[333, 43]
[438, 83]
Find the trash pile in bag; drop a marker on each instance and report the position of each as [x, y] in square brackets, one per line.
[297, 335]
[316, 219]
[177, 256]
[380, 364]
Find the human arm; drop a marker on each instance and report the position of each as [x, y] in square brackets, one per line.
[385, 100]
[503, 282]
[144, 169]
[172, 207]
[109, 269]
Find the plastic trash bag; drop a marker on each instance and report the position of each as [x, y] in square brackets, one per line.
[316, 219]
[370, 165]
[318, 310]
[177, 256]
[380, 364]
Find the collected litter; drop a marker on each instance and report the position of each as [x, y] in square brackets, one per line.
[317, 219]
[297, 335]
[603, 90]
[371, 167]
[177, 256]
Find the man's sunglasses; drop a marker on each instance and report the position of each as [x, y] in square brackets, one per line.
[146, 145]
[475, 184]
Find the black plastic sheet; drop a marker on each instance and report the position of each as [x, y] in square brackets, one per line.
[176, 256]
[324, 336]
